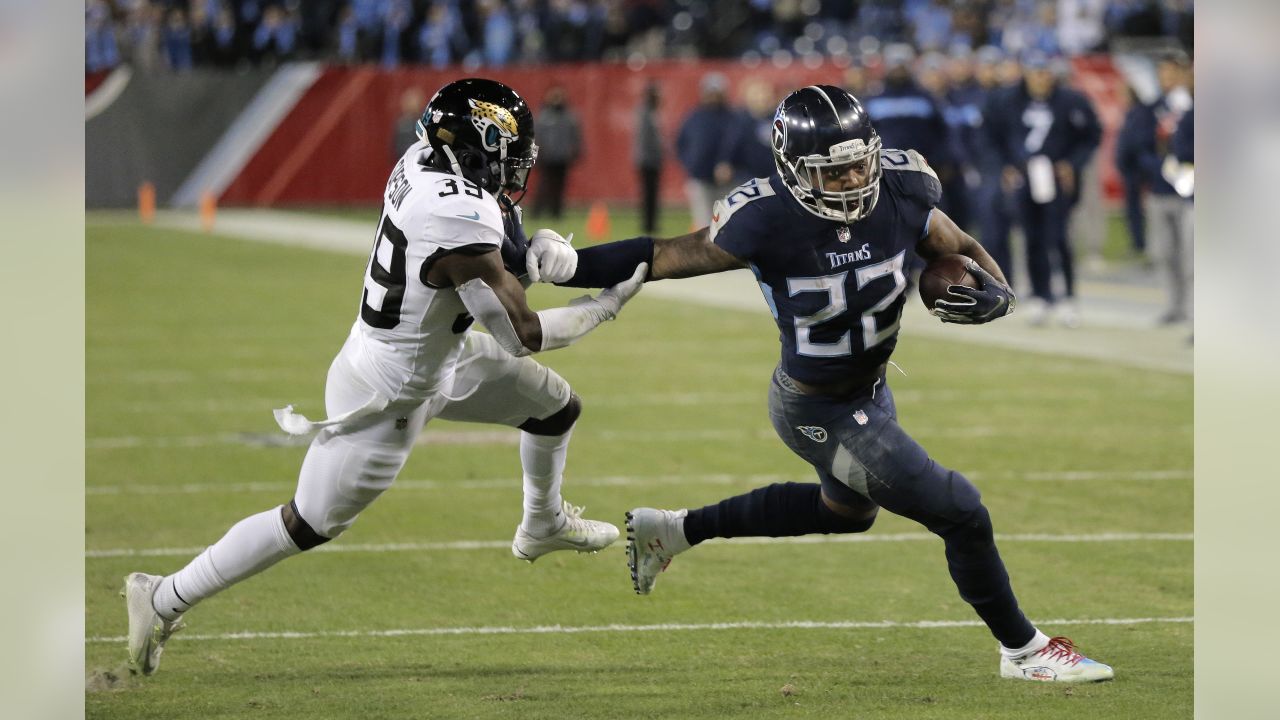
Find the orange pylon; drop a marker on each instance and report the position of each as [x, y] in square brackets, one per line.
[146, 202]
[598, 222]
[208, 208]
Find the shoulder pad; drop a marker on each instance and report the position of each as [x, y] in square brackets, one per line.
[724, 208]
[909, 173]
[455, 213]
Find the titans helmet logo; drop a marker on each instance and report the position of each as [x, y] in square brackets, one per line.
[493, 122]
[779, 132]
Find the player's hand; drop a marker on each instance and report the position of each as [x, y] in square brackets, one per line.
[612, 299]
[551, 258]
[974, 306]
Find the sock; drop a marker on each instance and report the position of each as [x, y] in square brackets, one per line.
[543, 459]
[778, 510]
[1037, 642]
[249, 547]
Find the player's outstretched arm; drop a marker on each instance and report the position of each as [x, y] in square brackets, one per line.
[689, 256]
[993, 299]
[678, 257]
[497, 299]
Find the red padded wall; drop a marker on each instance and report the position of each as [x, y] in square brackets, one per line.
[335, 145]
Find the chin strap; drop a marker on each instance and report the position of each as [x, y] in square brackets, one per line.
[453, 160]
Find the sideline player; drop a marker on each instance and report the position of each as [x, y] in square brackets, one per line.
[436, 265]
[827, 237]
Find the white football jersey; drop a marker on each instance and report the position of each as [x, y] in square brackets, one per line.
[408, 334]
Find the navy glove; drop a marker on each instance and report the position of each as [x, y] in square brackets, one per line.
[974, 306]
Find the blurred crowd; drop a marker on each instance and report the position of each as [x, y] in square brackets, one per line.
[181, 34]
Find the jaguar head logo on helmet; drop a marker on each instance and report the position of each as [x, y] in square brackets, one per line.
[827, 153]
[481, 130]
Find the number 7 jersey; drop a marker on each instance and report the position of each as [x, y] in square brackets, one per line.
[408, 333]
[836, 291]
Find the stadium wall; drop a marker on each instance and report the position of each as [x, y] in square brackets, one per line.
[157, 129]
[336, 146]
[333, 145]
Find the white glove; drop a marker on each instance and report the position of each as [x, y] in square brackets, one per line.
[612, 299]
[550, 258]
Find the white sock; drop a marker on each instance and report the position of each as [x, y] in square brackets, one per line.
[543, 458]
[249, 547]
[1038, 641]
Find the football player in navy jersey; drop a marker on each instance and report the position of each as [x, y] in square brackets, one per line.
[827, 236]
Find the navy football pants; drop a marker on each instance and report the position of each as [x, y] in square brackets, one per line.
[863, 456]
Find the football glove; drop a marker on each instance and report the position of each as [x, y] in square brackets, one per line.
[974, 306]
[612, 299]
[551, 258]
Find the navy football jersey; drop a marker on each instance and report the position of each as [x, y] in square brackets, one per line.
[835, 290]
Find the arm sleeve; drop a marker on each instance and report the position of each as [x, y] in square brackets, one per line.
[563, 326]
[483, 304]
[601, 266]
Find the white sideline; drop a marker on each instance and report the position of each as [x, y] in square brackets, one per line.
[631, 480]
[661, 627]
[803, 540]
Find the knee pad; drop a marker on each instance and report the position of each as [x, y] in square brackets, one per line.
[299, 530]
[557, 423]
[974, 532]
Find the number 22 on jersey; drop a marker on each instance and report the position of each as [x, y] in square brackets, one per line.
[837, 304]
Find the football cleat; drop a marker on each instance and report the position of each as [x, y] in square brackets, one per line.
[148, 632]
[653, 538]
[1056, 662]
[577, 533]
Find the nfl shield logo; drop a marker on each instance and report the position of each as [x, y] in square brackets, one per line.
[860, 417]
[842, 233]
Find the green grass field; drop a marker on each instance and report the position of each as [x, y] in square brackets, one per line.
[193, 339]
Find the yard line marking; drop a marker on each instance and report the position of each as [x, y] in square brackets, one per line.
[512, 437]
[803, 540]
[629, 480]
[660, 627]
[1075, 475]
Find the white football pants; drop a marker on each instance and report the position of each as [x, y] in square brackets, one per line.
[349, 466]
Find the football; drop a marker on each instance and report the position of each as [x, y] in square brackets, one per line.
[941, 273]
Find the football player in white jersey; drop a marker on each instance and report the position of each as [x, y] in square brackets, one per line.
[437, 264]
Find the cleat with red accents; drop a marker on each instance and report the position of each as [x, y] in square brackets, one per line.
[1057, 661]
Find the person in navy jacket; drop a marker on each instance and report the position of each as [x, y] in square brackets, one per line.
[1044, 134]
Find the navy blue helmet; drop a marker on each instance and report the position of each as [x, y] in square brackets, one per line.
[482, 130]
[824, 128]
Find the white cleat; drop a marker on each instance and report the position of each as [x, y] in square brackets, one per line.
[653, 538]
[1056, 662]
[577, 533]
[148, 632]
